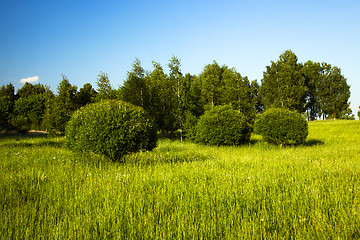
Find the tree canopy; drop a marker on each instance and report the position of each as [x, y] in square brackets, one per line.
[283, 84]
[176, 100]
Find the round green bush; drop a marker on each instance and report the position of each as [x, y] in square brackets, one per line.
[111, 128]
[281, 126]
[222, 125]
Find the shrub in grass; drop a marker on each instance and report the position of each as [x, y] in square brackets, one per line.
[111, 128]
[281, 126]
[222, 125]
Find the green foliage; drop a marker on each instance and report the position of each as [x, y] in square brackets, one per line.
[104, 90]
[6, 109]
[21, 123]
[135, 90]
[192, 95]
[238, 92]
[211, 83]
[333, 92]
[256, 97]
[161, 99]
[313, 80]
[30, 110]
[281, 126]
[7, 99]
[30, 89]
[190, 126]
[63, 105]
[319, 90]
[177, 83]
[8, 91]
[48, 120]
[222, 125]
[225, 86]
[111, 128]
[347, 115]
[85, 95]
[283, 84]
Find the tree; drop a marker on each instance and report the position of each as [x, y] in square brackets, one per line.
[7, 101]
[134, 89]
[6, 110]
[177, 83]
[161, 99]
[29, 107]
[211, 83]
[86, 95]
[328, 92]
[48, 121]
[104, 89]
[64, 104]
[348, 114]
[313, 81]
[30, 89]
[225, 86]
[255, 95]
[283, 84]
[8, 91]
[29, 112]
[192, 95]
[236, 91]
[334, 92]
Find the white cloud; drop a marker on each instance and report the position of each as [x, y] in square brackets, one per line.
[29, 79]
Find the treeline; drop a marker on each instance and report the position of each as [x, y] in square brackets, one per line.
[176, 100]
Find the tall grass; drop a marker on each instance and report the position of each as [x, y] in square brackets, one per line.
[185, 191]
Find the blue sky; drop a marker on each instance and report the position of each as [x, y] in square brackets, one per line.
[45, 39]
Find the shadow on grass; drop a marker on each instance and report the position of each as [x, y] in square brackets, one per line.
[169, 135]
[254, 141]
[163, 158]
[54, 144]
[24, 141]
[308, 143]
[313, 142]
[18, 136]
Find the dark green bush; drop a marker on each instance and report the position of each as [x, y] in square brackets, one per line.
[281, 126]
[111, 128]
[21, 123]
[222, 125]
[190, 126]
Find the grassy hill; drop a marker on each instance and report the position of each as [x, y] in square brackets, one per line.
[184, 190]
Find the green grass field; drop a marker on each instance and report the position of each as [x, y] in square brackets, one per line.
[184, 190]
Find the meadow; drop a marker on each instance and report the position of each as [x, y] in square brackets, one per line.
[185, 191]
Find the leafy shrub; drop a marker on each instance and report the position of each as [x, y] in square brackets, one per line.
[222, 125]
[21, 124]
[111, 128]
[190, 126]
[281, 126]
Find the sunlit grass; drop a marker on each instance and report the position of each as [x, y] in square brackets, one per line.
[184, 190]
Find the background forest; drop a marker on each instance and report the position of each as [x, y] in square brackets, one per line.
[176, 100]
